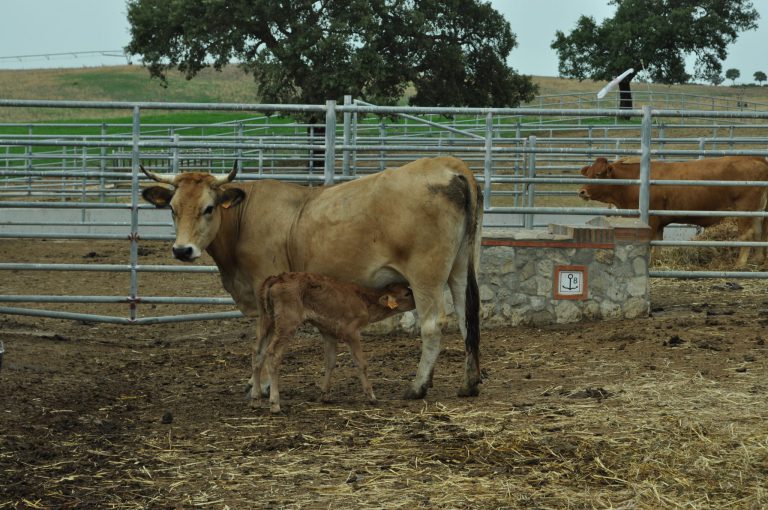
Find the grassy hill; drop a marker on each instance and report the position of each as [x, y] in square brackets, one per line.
[132, 83]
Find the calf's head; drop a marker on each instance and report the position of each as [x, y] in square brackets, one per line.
[600, 169]
[196, 200]
[397, 297]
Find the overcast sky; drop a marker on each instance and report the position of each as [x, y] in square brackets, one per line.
[36, 27]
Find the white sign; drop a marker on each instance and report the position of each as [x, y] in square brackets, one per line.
[570, 283]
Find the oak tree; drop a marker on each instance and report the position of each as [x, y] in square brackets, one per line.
[453, 52]
[654, 36]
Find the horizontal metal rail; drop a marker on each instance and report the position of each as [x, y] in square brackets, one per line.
[69, 172]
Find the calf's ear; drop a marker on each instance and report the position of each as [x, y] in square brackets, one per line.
[231, 197]
[389, 301]
[157, 196]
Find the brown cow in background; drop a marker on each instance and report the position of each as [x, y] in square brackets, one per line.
[689, 198]
[340, 310]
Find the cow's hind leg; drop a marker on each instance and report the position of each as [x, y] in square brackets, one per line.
[428, 307]
[749, 230]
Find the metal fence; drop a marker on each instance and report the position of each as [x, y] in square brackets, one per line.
[82, 181]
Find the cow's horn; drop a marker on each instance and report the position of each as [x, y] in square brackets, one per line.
[229, 177]
[165, 179]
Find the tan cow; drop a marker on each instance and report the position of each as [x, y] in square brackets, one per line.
[688, 198]
[420, 223]
[340, 310]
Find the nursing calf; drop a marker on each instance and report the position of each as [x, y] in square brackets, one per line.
[338, 309]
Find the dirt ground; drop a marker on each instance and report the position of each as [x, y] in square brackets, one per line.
[667, 411]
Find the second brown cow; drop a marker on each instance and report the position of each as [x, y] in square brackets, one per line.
[338, 309]
[688, 198]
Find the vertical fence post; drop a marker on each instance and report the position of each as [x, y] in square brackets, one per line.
[661, 141]
[134, 236]
[355, 119]
[645, 164]
[487, 162]
[701, 147]
[382, 141]
[528, 218]
[239, 152]
[175, 153]
[347, 136]
[102, 163]
[330, 140]
[84, 182]
[28, 157]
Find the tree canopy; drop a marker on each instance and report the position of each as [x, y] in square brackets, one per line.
[733, 74]
[453, 52]
[654, 36]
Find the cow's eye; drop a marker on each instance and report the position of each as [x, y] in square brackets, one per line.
[208, 210]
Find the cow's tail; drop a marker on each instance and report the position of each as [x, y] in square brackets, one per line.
[473, 233]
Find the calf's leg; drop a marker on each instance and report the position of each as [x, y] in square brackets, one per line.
[329, 348]
[356, 349]
[274, 356]
[258, 384]
[264, 337]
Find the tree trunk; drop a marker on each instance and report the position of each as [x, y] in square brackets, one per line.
[625, 93]
[316, 134]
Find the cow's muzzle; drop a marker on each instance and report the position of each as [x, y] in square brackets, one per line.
[186, 253]
[584, 194]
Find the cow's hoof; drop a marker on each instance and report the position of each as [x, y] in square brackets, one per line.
[275, 409]
[255, 403]
[411, 394]
[373, 401]
[325, 398]
[471, 391]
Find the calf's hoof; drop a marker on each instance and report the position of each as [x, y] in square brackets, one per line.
[275, 409]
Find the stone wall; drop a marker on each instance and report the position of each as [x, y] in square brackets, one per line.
[566, 274]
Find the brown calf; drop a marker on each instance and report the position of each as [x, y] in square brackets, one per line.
[338, 309]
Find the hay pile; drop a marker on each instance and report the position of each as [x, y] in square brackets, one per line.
[704, 257]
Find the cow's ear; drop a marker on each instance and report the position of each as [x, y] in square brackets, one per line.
[609, 171]
[389, 301]
[157, 196]
[231, 197]
[585, 169]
